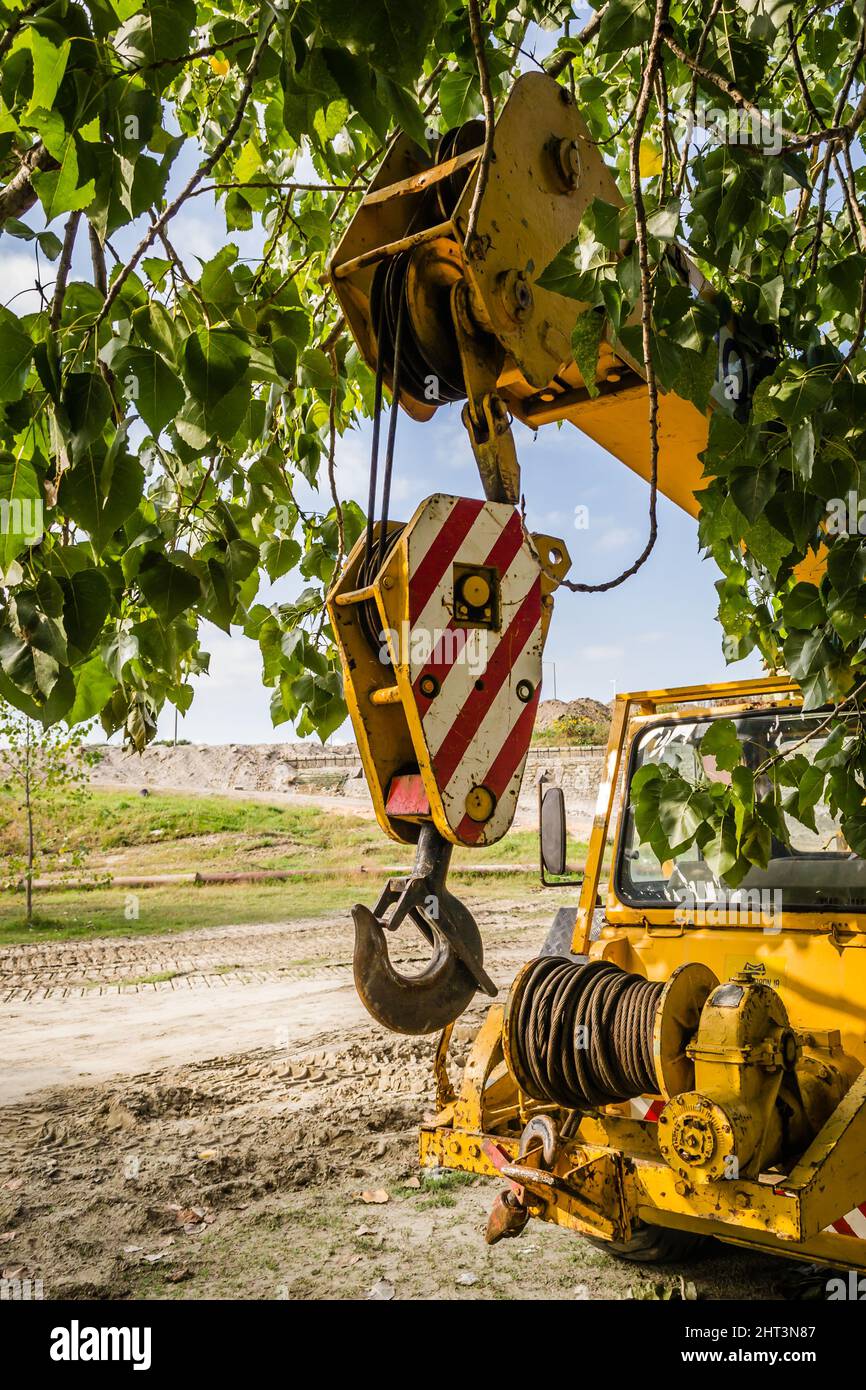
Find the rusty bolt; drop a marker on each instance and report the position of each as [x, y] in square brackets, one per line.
[516, 294]
[567, 154]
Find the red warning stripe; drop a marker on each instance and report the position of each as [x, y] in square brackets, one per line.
[842, 1227]
[444, 655]
[504, 765]
[458, 738]
[442, 550]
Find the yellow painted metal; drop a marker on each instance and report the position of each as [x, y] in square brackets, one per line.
[815, 971]
[378, 682]
[730, 1122]
[511, 338]
[383, 737]
[511, 335]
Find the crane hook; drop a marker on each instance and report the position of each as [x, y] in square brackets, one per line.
[427, 1001]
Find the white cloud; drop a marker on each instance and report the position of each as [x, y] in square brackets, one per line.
[18, 272]
[602, 653]
[615, 538]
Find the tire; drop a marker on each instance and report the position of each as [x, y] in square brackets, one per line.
[654, 1245]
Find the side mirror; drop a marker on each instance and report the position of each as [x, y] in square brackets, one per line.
[552, 830]
[552, 837]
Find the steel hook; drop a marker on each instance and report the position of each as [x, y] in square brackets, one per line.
[424, 1002]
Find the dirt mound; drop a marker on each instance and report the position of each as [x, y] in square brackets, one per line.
[549, 711]
[233, 767]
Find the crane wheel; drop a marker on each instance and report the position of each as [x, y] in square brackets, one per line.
[654, 1245]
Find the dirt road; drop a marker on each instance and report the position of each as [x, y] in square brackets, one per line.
[199, 1115]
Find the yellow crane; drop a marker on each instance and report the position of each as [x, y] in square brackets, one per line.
[680, 1061]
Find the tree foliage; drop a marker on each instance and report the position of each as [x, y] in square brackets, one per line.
[161, 412]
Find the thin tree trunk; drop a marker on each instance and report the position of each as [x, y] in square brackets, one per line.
[29, 805]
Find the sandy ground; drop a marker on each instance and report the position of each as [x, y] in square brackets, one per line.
[219, 1133]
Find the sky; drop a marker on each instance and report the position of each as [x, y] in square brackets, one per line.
[657, 629]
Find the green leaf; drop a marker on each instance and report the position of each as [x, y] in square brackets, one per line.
[58, 189]
[603, 220]
[752, 488]
[624, 25]
[101, 504]
[806, 653]
[216, 283]
[49, 65]
[355, 80]
[393, 35]
[88, 404]
[405, 109]
[87, 600]
[169, 588]
[93, 688]
[664, 221]
[770, 300]
[21, 522]
[151, 385]
[214, 360]
[460, 96]
[722, 742]
[680, 813]
[119, 650]
[803, 607]
[280, 556]
[585, 340]
[16, 352]
[846, 564]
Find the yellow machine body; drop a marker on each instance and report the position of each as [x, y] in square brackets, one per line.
[756, 1132]
[513, 336]
[783, 1032]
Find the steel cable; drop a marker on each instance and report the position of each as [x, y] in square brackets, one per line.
[582, 1034]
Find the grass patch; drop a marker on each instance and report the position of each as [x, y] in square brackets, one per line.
[121, 833]
[186, 907]
[157, 979]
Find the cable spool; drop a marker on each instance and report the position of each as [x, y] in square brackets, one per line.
[582, 1035]
[459, 140]
[422, 279]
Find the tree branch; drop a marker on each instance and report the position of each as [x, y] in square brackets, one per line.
[17, 23]
[560, 61]
[477, 35]
[97, 260]
[201, 172]
[63, 268]
[19, 195]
